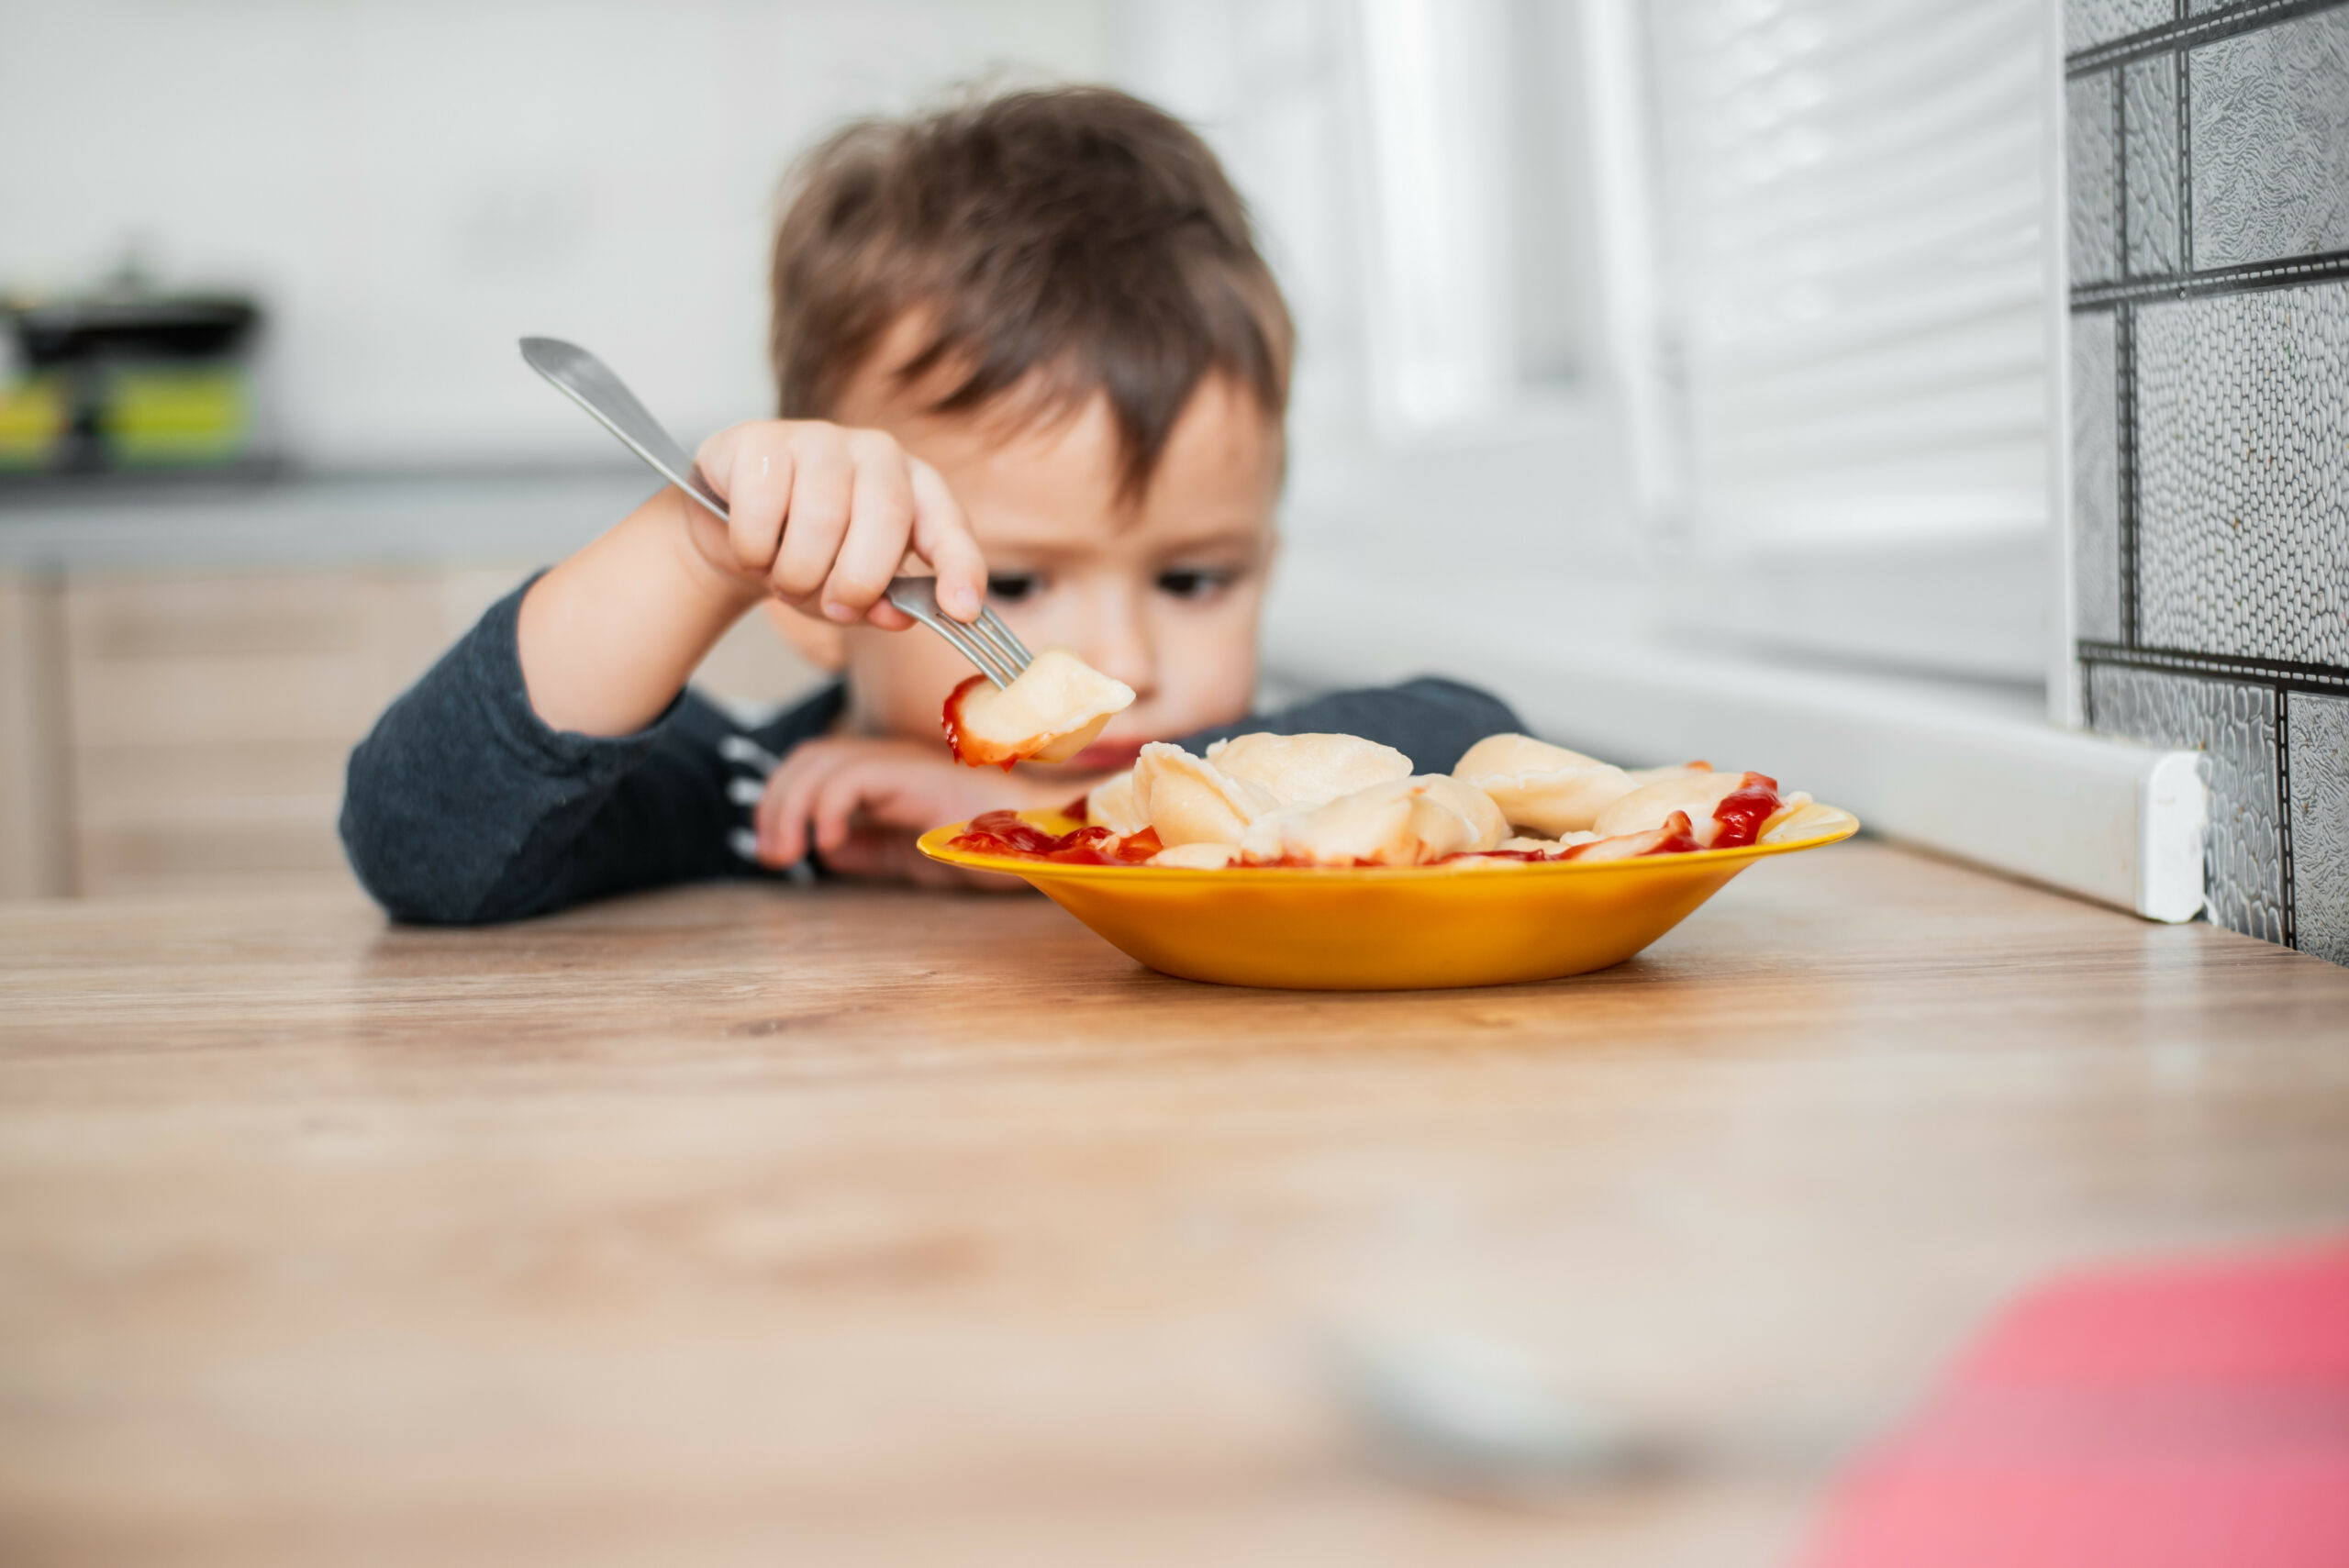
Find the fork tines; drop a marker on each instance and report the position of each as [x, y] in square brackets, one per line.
[974, 646]
[987, 642]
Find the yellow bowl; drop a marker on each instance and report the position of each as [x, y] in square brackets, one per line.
[1389, 928]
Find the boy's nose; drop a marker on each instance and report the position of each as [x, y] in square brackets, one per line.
[1119, 644]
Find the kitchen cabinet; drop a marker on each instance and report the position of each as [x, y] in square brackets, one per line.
[32, 761]
[186, 730]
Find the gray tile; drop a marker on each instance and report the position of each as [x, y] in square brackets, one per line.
[2243, 473]
[2317, 732]
[2233, 726]
[2270, 129]
[2087, 22]
[2092, 146]
[2095, 479]
[2149, 131]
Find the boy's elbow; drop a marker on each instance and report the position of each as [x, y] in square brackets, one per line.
[372, 845]
[401, 861]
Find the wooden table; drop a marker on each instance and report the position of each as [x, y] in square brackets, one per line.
[855, 1226]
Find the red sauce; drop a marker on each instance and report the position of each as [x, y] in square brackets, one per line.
[1674, 838]
[1137, 847]
[1003, 833]
[968, 755]
[1737, 822]
[1741, 812]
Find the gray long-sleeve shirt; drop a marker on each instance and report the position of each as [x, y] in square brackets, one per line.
[463, 806]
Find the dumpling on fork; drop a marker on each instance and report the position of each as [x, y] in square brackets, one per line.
[1053, 709]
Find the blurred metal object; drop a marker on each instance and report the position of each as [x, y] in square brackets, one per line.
[1472, 1417]
[988, 642]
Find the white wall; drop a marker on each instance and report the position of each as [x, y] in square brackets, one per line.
[414, 186]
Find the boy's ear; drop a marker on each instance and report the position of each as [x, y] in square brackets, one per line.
[821, 642]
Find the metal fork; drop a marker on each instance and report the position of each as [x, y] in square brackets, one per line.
[587, 381]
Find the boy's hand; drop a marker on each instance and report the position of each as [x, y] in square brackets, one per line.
[860, 804]
[822, 517]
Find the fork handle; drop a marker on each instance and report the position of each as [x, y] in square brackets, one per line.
[590, 382]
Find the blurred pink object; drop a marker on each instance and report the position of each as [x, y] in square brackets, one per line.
[2171, 1417]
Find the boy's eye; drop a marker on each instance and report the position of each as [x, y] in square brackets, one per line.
[1011, 587]
[1188, 582]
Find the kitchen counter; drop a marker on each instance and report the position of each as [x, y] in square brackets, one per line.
[128, 523]
[853, 1225]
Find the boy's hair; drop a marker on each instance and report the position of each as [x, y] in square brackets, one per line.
[1060, 242]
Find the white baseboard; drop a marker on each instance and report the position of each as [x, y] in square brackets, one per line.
[1974, 772]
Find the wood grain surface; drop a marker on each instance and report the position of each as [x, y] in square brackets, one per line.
[749, 1224]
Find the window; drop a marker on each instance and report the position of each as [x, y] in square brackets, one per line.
[1856, 315]
[1420, 169]
[1752, 294]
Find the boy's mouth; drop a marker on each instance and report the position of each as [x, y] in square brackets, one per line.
[1106, 756]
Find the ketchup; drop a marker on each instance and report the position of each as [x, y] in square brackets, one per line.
[951, 717]
[1738, 818]
[1736, 822]
[1678, 836]
[1003, 833]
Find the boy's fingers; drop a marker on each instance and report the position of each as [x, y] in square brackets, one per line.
[756, 487]
[880, 522]
[943, 536]
[834, 806]
[714, 460]
[775, 827]
[822, 486]
[781, 821]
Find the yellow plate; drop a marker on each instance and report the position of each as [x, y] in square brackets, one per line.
[1389, 928]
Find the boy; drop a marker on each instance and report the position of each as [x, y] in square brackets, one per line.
[1030, 341]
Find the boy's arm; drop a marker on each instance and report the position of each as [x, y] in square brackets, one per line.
[819, 517]
[531, 768]
[464, 806]
[1430, 721]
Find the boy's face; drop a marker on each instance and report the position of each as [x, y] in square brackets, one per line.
[1165, 595]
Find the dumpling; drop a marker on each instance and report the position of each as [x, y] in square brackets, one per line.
[1297, 770]
[1646, 808]
[1546, 846]
[1406, 821]
[1052, 710]
[1513, 753]
[1189, 800]
[1650, 776]
[1196, 857]
[1111, 804]
[1546, 788]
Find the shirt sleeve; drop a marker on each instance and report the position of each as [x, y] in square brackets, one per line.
[463, 806]
[1430, 721]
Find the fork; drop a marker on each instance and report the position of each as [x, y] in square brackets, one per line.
[587, 381]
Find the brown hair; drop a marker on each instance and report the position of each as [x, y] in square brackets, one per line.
[1075, 236]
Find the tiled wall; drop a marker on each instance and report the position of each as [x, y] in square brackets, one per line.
[2208, 157]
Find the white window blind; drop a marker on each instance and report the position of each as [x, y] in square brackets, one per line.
[1850, 200]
